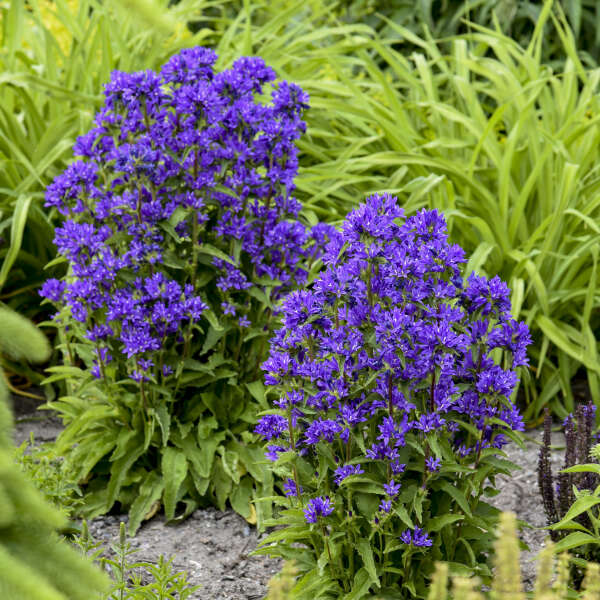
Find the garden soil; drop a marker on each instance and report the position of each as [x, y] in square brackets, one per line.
[214, 547]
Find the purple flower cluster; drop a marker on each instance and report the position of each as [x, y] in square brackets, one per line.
[390, 343]
[183, 169]
[418, 537]
[317, 507]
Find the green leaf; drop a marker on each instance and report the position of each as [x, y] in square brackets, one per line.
[222, 484]
[123, 440]
[170, 259]
[206, 426]
[207, 449]
[260, 296]
[257, 390]
[442, 521]
[206, 248]
[366, 552]
[468, 548]
[212, 337]
[149, 493]
[403, 514]
[174, 470]
[230, 463]
[241, 496]
[19, 220]
[88, 453]
[585, 468]
[161, 412]
[289, 534]
[458, 496]
[360, 585]
[580, 505]
[574, 540]
[120, 469]
[559, 338]
[212, 319]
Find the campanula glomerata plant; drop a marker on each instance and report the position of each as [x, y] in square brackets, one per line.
[394, 379]
[180, 233]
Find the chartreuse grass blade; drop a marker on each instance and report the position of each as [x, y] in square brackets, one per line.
[19, 220]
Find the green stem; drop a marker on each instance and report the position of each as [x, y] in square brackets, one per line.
[329, 555]
[427, 455]
[144, 398]
[239, 346]
[390, 404]
[295, 470]
[431, 391]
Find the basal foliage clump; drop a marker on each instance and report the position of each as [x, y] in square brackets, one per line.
[180, 232]
[394, 379]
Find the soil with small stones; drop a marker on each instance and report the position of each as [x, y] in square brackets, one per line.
[213, 547]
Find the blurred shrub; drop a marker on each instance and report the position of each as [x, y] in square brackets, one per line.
[34, 563]
[20, 343]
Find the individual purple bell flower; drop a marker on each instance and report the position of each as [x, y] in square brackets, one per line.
[432, 463]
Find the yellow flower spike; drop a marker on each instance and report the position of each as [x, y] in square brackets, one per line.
[464, 588]
[439, 582]
[543, 582]
[561, 585]
[591, 582]
[281, 584]
[507, 582]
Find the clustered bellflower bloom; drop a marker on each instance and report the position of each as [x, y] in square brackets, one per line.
[399, 369]
[180, 229]
[173, 158]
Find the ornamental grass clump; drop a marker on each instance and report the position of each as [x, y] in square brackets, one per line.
[394, 380]
[180, 231]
